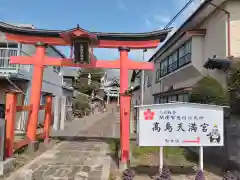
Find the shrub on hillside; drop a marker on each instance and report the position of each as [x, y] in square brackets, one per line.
[208, 91]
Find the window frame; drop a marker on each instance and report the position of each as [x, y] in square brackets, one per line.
[168, 98]
[164, 70]
[174, 64]
[43, 98]
[157, 74]
[183, 57]
[57, 69]
[149, 82]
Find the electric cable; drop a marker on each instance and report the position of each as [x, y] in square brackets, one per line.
[178, 14]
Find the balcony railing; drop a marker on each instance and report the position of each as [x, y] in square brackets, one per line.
[5, 54]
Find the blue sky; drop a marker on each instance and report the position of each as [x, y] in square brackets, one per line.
[97, 15]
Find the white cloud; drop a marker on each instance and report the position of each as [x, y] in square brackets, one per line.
[162, 19]
[122, 6]
[147, 22]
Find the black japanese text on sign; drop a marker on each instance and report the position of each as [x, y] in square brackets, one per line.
[81, 52]
[174, 122]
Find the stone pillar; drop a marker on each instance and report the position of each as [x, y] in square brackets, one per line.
[56, 121]
[118, 98]
[63, 112]
[108, 98]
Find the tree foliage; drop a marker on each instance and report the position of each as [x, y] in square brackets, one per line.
[234, 86]
[81, 103]
[234, 76]
[208, 91]
[82, 80]
[81, 85]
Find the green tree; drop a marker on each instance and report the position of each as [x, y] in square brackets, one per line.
[234, 85]
[82, 80]
[82, 101]
[208, 91]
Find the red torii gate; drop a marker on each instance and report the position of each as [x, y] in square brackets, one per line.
[123, 41]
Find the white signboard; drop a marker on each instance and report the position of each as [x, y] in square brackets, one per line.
[181, 124]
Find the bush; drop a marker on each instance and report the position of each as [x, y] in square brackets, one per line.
[208, 91]
[234, 87]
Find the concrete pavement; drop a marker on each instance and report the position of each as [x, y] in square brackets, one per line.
[74, 159]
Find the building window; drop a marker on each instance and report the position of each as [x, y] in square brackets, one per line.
[164, 67]
[183, 98]
[57, 69]
[163, 99]
[171, 98]
[173, 62]
[185, 54]
[43, 98]
[149, 83]
[157, 75]
[177, 59]
[157, 100]
[2, 110]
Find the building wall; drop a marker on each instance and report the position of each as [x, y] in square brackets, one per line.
[233, 7]
[147, 97]
[203, 47]
[214, 43]
[52, 79]
[136, 98]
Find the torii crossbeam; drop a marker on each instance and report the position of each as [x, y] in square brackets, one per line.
[77, 37]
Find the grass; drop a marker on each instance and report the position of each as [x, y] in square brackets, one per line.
[114, 145]
[111, 177]
[143, 151]
[138, 152]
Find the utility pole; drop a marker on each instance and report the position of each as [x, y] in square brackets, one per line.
[142, 79]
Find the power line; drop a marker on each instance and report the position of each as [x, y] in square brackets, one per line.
[179, 13]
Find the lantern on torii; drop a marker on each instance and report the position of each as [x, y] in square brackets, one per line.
[82, 42]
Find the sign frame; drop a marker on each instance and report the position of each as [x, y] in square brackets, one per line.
[199, 140]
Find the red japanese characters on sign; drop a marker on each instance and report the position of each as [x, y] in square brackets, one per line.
[148, 115]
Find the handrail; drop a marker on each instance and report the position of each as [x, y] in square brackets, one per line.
[5, 54]
[10, 114]
[28, 108]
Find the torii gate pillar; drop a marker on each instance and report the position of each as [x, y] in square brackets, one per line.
[124, 108]
[35, 97]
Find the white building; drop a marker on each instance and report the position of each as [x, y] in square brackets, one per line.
[18, 77]
[212, 30]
